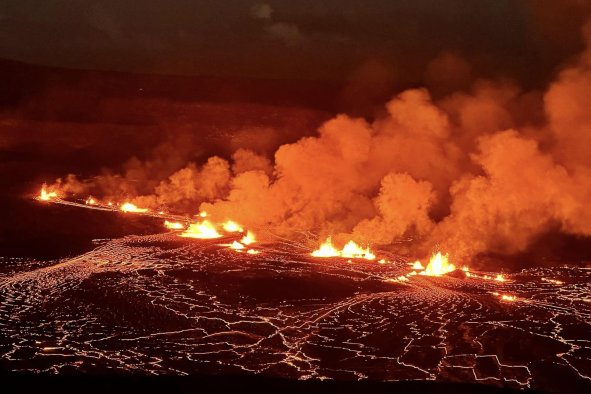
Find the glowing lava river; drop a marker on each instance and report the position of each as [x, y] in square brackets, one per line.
[164, 304]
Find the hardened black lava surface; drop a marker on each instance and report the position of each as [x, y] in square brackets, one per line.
[165, 305]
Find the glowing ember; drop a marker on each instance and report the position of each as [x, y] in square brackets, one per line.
[382, 261]
[438, 265]
[173, 225]
[326, 250]
[129, 207]
[252, 251]
[90, 201]
[352, 250]
[248, 239]
[46, 195]
[203, 230]
[232, 227]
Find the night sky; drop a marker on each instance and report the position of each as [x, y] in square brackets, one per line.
[306, 39]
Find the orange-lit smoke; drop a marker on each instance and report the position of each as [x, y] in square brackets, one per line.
[487, 169]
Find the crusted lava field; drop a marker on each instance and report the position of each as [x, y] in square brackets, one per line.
[161, 304]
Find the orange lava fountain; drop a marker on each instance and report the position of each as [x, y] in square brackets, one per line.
[438, 265]
[202, 230]
[46, 195]
[350, 250]
[129, 207]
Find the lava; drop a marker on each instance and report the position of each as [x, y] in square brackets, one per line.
[129, 207]
[326, 250]
[46, 195]
[201, 230]
[248, 239]
[174, 225]
[232, 227]
[438, 265]
[90, 201]
[236, 245]
[350, 251]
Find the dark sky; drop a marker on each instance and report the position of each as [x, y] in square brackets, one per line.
[304, 39]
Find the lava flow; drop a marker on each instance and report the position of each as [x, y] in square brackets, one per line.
[350, 250]
[129, 207]
[438, 265]
[201, 230]
[45, 195]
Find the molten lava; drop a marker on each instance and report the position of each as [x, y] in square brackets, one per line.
[46, 195]
[438, 265]
[129, 207]
[350, 250]
[202, 230]
[173, 225]
[232, 227]
[236, 245]
[326, 250]
[248, 239]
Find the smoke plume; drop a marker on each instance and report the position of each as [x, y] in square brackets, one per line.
[486, 169]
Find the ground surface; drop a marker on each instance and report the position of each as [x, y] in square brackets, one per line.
[160, 304]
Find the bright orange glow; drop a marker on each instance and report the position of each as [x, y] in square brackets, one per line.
[90, 201]
[417, 265]
[248, 239]
[232, 227]
[46, 195]
[173, 225]
[129, 207]
[505, 297]
[252, 251]
[351, 251]
[203, 230]
[500, 278]
[326, 250]
[438, 265]
[203, 214]
[236, 245]
[553, 281]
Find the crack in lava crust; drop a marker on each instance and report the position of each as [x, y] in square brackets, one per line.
[164, 305]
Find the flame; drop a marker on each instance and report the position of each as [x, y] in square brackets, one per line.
[232, 227]
[438, 265]
[500, 278]
[129, 207]
[248, 239]
[252, 251]
[326, 250]
[350, 250]
[173, 225]
[46, 195]
[203, 230]
[417, 265]
[203, 214]
[90, 201]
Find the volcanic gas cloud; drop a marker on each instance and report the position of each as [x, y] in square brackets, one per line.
[482, 170]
